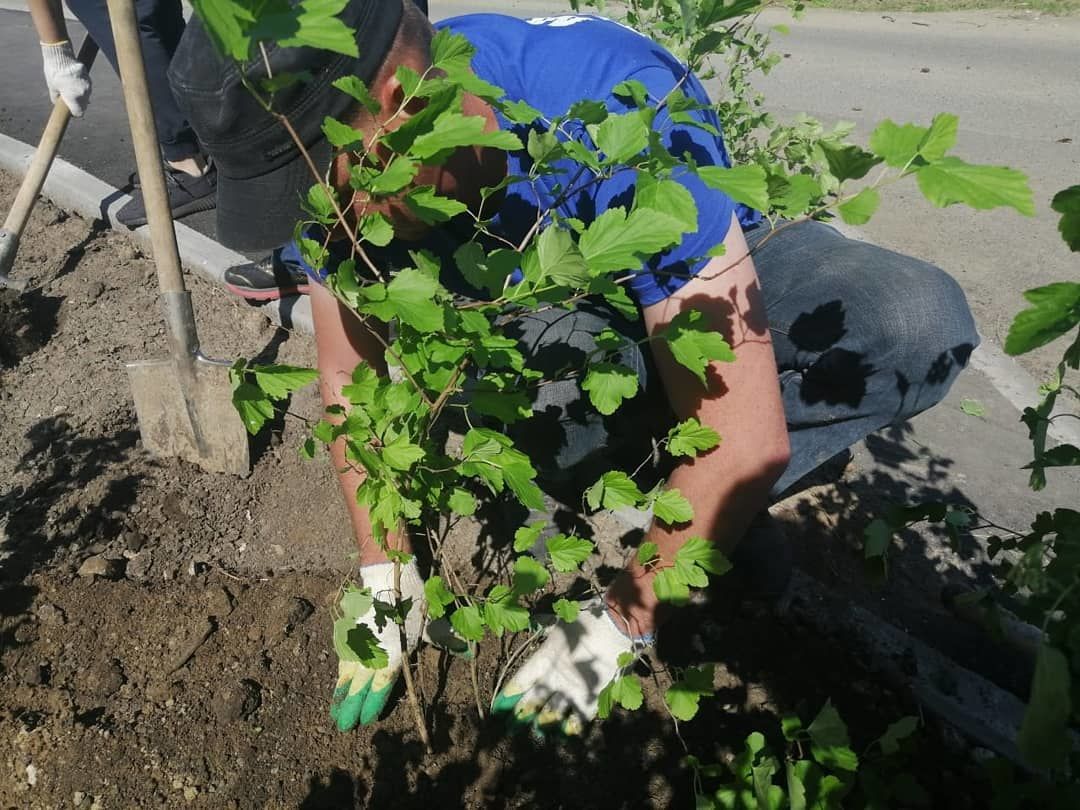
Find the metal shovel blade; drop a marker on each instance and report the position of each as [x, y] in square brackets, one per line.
[185, 409]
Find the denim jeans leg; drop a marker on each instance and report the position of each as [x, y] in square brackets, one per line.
[566, 436]
[864, 337]
[161, 23]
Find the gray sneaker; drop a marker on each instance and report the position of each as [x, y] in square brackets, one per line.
[187, 195]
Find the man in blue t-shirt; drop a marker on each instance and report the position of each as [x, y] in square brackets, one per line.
[833, 338]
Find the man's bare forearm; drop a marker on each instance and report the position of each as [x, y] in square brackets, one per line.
[48, 17]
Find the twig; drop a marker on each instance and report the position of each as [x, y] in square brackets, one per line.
[406, 669]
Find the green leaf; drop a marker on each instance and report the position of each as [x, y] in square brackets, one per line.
[1064, 455]
[567, 610]
[647, 552]
[356, 602]
[690, 437]
[310, 23]
[668, 199]
[254, 407]
[951, 180]
[437, 596]
[1067, 203]
[859, 209]
[622, 136]
[468, 623]
[669, 587]
[568, 552]
[358, 643]
[848, 162]
[320, 203]
[795, 786]
[502, 612]
[431, 208]
[227, 23]
[486, 271]
[376, 229]
[401, 454]
[1044, 738]
[520, 112]
[876, 538]
[560, 259]
[972, 407]
[705, 554]
[744, 184]
[394, 177]
[450, 50]
[896, 733]
[352, 86]
[671, 507]
[617, 241]
[588, 111]
[526, 536]
[897, 144]
[633, 90]
[462, 502]
[614, 490]
[790, 726]
[830, 742]
[1056, 310]
[529, 575]
[608, 384]
[410, 296]
[453, 130]
[341, 135]
[684, 696]
[624, 691]
[693, 344]
[279, 381]
[940, 138]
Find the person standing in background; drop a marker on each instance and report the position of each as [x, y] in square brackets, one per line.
[190, 175]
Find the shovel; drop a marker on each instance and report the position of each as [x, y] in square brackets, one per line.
[184, 404]
[28, 193]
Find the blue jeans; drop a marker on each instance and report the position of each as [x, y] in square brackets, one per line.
[161, 22]
[864, 338]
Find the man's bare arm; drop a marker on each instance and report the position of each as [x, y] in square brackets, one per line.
[729, 485]
[342, 343]
[48, 17]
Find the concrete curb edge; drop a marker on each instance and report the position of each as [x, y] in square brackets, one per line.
[73, 189]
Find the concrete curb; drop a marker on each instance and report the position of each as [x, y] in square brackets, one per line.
[72, 189]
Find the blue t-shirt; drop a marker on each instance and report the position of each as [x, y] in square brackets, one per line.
[553, 62]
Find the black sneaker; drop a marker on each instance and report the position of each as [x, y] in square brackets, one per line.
[267, 279]
[187, 195]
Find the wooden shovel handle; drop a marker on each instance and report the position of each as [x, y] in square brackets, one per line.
[179, 317]
[144, 138]
[47, 148]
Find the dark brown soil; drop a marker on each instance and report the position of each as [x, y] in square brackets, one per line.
[196, 670]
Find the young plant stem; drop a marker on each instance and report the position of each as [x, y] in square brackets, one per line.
[406, 668]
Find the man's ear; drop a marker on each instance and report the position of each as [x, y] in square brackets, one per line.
[390, 93]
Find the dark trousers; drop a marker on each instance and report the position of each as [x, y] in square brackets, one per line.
[161, 22]
[864, 338]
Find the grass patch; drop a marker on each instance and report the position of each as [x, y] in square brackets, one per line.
[1043, 6]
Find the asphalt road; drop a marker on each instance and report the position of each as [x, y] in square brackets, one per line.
[1012, 79]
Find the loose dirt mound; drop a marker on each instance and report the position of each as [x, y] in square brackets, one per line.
[164, 633]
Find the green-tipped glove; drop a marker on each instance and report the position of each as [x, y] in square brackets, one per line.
[362, 691]
[558, 688]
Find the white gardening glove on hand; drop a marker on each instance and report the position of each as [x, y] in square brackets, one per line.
[361, 693]
[66, 76]
[559, 685]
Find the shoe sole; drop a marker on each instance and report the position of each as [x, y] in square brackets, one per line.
[193, 207]
[253, 294]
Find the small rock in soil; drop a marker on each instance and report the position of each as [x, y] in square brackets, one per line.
[134, 541]
[218, 602]
[34, 673]
[105, 678]
[237, 700]
[51, 615]
[138, 567]
[101, 566]
[94, 290]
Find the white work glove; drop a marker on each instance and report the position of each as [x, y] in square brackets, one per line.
[559, 686]
[66, 76]
[361, 693]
